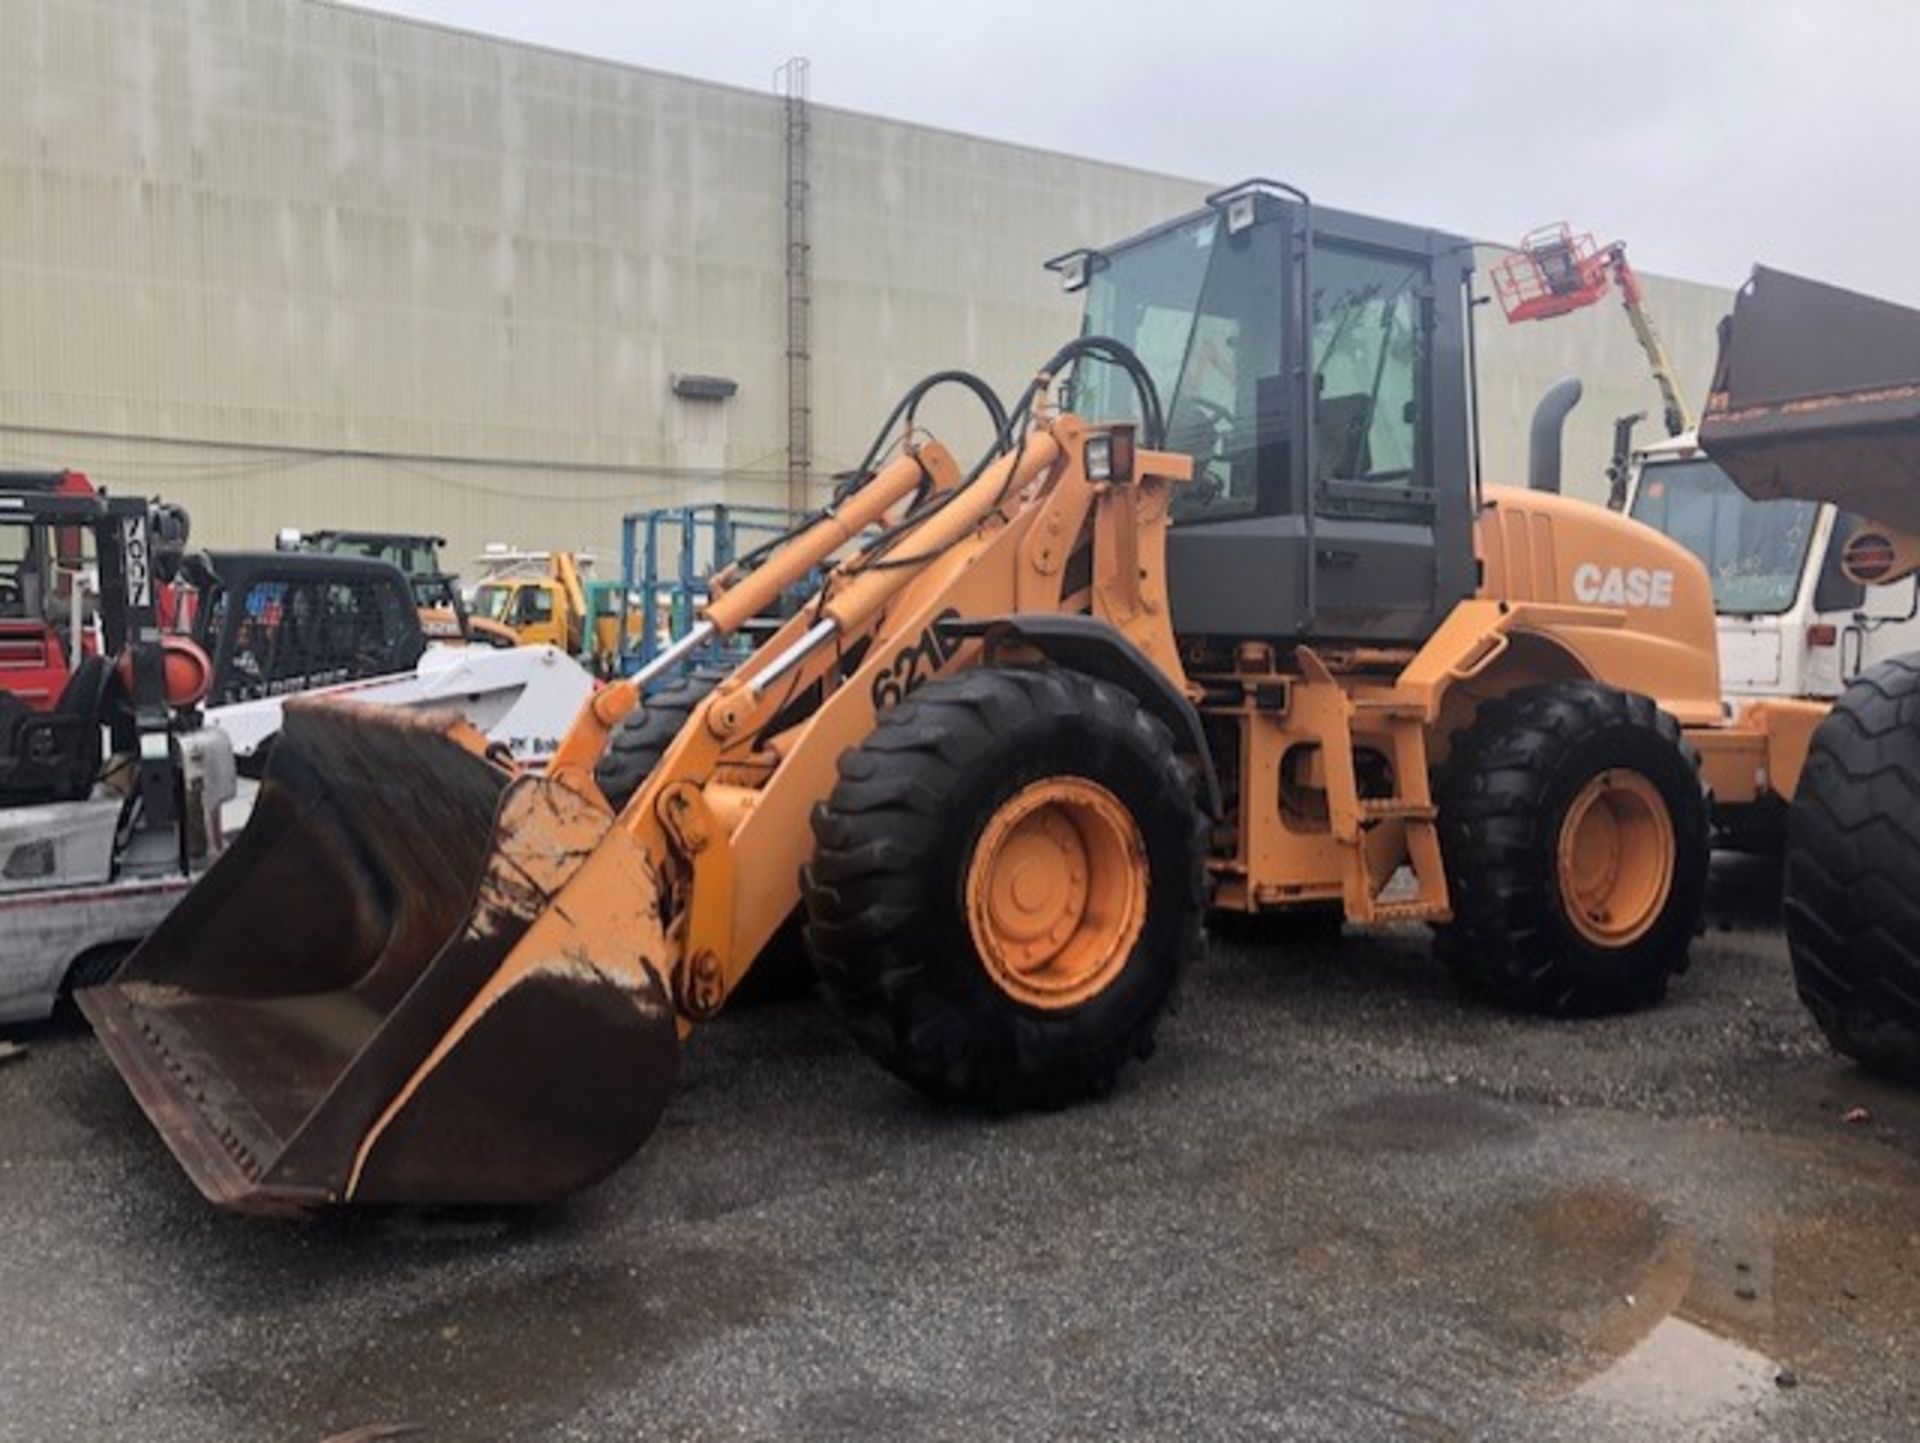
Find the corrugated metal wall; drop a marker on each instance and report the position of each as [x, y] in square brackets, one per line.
[294, 264]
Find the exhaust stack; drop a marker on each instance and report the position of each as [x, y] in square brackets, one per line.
[1544, 434]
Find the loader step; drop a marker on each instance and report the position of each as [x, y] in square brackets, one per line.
[1384, 807]
[1392, 708]
[1413, 910]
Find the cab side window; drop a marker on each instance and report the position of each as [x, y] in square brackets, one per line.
[536, 604]
[1369, 367]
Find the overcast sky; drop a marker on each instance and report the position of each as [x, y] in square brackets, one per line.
[1707, 133]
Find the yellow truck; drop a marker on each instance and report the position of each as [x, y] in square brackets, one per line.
[547, 597]
[539, 595]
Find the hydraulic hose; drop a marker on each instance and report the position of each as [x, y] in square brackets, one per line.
[908, 407]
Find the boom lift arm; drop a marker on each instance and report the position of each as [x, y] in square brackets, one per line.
[1555, 272]
[566, 573]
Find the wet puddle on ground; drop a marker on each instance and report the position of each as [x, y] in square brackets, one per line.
[1700, 1298]
[1682, 1381]
[1664, 1371]
[1713, 1323]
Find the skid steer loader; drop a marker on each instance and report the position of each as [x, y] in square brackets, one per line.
[1816, 397]
[1252, 636]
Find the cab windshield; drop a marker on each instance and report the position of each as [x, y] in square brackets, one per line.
[1754, 551]
[1203, 311]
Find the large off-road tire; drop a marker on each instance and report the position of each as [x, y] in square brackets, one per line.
[632, 752]
[1852, 881]
[1006, 884]
[1575, 833]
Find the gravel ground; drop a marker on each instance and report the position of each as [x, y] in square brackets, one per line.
[1341, 1202]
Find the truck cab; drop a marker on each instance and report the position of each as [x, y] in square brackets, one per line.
[534, 608]
[539, 596]
[1791, 623]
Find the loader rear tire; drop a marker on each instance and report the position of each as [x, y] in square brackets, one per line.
[634, 748]
[981, 802]
[1575, 832]
[1851, 887]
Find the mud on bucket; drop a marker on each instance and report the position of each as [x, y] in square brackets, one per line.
[369, 997]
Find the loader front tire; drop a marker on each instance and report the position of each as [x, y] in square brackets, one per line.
[1574, 828]
[1851, 887]
[1006, 883]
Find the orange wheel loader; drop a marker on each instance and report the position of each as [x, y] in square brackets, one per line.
[1223, 618]
[1817, 398]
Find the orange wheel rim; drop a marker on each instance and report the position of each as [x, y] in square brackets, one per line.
[1057, 892]
[1616, 858]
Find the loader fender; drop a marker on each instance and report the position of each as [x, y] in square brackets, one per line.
[1088, 645]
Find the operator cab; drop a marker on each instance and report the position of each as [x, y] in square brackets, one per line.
[1378, 493]
[415, 553]
[45, 607]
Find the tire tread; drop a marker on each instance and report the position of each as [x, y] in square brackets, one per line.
[875, 835]
[1505, 940]
[1851, 887]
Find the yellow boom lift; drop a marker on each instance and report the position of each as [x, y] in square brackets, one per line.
[1222, 617]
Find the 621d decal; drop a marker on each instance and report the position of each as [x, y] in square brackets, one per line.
[915, 664]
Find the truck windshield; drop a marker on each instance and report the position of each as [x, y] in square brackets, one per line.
[1754, 551]
[492, 602]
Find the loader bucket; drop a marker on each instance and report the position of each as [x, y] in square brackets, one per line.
[1816, 397]
[371, 997]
